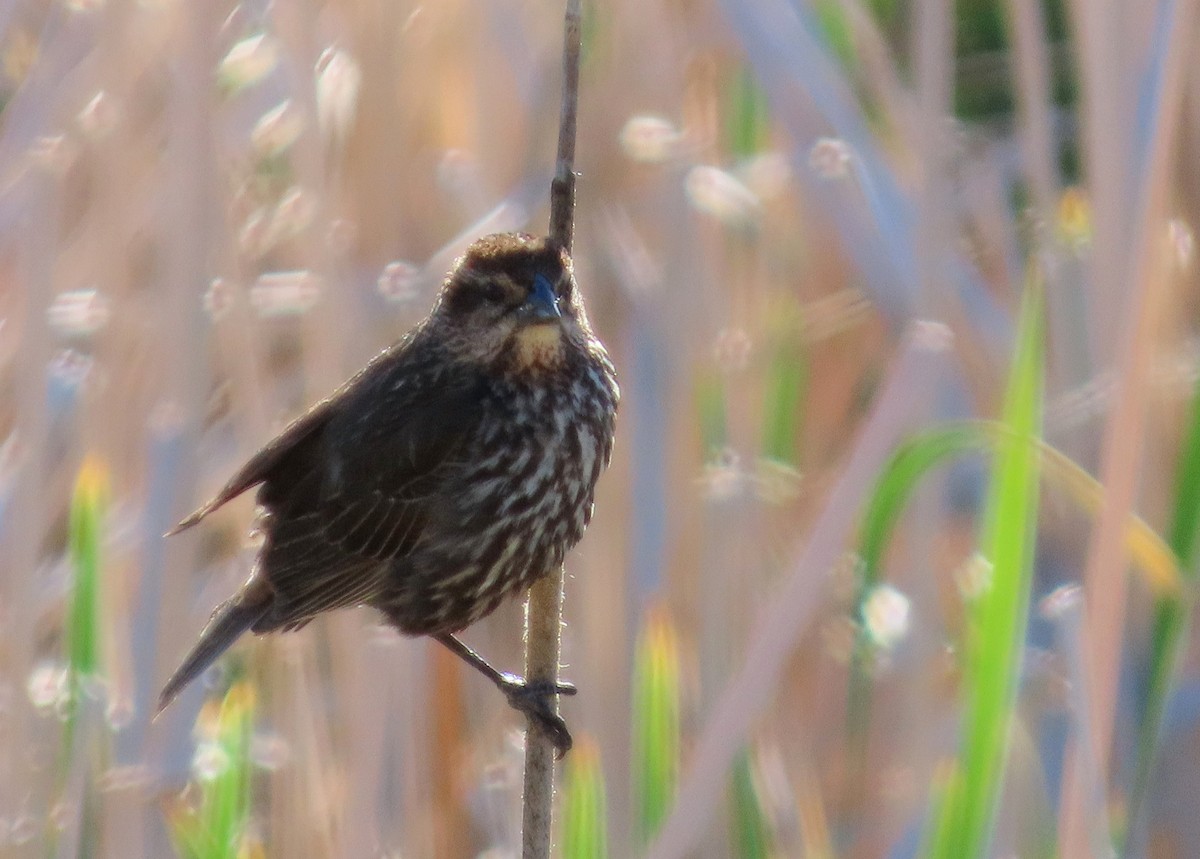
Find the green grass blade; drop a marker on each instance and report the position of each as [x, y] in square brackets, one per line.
[231, 788]
[749, 120]
[216, 827]
[835, 27]
[85, 532]
[893, 489]
[88, 504]
[710, 405]
[1172, 613]
[655, 762]
[584, 815]
[908, 465]
[751, 832]
[996, 616]
[787, 382]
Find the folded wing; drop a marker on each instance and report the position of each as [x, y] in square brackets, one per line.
[345, 507]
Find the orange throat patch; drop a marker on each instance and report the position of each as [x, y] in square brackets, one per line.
[539, 347]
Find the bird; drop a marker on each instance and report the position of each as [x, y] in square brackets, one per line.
[448, 475]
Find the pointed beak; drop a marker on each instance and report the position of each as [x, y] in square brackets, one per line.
[542, 304]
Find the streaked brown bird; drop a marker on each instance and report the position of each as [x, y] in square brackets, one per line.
[451, 473]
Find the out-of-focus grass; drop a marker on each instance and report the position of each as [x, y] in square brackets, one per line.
[84, 749]
[710, 407]
[892, 491]
[1152, 556]
[837, 31]
[997, 610]
[748, 120]
[750, 832]
[88, 505]
[786, 381]
[215, 824]
[655, 764]
[1172, 612]
[584, 810]
[911, 462]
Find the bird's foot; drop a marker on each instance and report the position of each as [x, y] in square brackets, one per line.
[536, 701]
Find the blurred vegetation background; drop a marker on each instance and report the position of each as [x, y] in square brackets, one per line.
[896, 556]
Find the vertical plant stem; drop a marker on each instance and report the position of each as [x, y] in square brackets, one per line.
[996, 615]
[543, 612]
[1172, 614]
[562, 188]
[1105, 582]
[543, 622]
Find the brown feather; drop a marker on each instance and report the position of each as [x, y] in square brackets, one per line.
[259, 466]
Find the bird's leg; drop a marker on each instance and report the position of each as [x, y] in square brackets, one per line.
[532, 699]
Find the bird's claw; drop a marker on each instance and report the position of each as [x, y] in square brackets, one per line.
[536, 701]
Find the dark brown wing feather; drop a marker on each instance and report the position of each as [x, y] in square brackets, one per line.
[259, 466]
[347, 489]
[345, 506]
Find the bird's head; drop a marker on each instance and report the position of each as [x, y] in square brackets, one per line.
[511, 303]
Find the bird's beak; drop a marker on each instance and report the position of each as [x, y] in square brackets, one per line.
[542, 304]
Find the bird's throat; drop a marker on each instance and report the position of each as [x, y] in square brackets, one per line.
[539, 347]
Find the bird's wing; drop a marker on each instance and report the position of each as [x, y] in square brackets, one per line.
[343, 507]
[294, 443]
[297, 435]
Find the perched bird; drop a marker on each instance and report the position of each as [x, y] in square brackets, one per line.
[453, 471]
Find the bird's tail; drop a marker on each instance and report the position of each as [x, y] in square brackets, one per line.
[231, 619]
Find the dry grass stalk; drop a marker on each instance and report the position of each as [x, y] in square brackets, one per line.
[543, 614]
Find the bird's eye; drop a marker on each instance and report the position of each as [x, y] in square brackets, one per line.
[470, 297]
[494, 291]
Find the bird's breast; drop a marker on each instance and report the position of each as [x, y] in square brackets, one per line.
[522, 500]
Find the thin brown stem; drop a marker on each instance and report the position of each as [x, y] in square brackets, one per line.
[543, 622]
[562, 188]
[1123, 451]
[543, 613]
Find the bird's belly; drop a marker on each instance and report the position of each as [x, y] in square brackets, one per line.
[514, 517]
